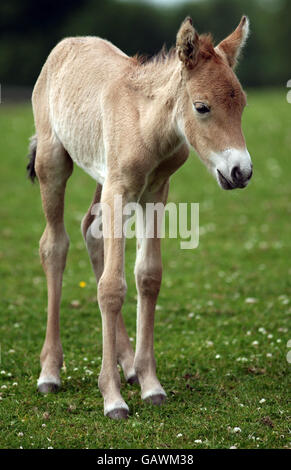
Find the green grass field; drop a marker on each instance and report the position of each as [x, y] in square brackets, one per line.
[221, 358]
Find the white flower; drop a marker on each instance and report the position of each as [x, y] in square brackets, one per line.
[262, 400]
[233, 447]
[4, 386]
[217, 356]
[43, 425]
[255, 343]
[250, 300]
[269, 354]
[3, 372]
[179, 435]
[242, 359]
[20, 434]
[262, 330]
[236, 429]
[15, 384]
[198, 441]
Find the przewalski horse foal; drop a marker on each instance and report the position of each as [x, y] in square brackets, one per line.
[129, 124]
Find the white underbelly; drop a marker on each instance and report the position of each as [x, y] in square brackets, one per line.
[95, 168]
[85, 149]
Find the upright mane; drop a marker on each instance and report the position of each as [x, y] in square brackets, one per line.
[206, 47]
[166, 56]
[162, 57]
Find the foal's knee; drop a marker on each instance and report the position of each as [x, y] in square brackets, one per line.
[53, 247]
[111, 294]
[149, 280]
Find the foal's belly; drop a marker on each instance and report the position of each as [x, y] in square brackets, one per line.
[84, 144]
[95, 166]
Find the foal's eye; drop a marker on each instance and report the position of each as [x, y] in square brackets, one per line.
[201, 107]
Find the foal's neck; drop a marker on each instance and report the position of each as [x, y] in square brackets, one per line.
[160, 82]
[160, 78]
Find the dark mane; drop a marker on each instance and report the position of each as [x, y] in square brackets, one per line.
[206, 47]
[163, 56]
[206, 51]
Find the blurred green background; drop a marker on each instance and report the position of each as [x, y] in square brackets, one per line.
[29, 30]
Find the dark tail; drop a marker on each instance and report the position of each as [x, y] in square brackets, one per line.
[32, 154]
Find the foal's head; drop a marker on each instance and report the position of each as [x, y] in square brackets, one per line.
[213, 102]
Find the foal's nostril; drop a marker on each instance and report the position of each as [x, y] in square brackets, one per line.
[239, 178]
[236, 174]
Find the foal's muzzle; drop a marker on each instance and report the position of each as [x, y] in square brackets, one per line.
[233, 168]
[237, 179]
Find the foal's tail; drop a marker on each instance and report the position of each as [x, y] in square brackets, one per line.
[32, 154]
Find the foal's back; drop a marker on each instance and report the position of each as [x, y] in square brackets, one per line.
[74, 93]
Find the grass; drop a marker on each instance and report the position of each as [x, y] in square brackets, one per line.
[221, 359]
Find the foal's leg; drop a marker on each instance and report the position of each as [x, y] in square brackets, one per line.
[148, 274]
[95, 247]
[111, 294]
[53, 168]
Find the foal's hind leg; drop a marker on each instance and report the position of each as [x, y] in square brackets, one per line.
[53, 168]
[95, 247]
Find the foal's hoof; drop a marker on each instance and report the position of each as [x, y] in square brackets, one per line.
[133, 379]
[156, 400]
[118, 413]
[156, 396]
[117, 410]
[48, 387]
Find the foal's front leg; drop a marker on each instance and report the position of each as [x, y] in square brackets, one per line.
[111, 294]
[148, 273]
[95, 246]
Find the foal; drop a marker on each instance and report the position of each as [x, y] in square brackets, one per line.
[129, 124]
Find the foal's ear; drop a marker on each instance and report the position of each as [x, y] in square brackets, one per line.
[231, 46]
[187, 43]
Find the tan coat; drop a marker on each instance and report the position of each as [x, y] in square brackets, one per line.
[129, 125]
